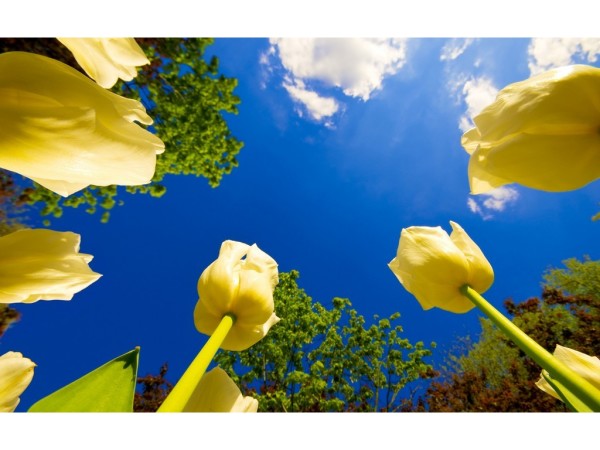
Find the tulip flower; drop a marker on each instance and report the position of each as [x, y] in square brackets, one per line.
[42, 265]
[16, 373]
[434, 266]
[65, 132]
[586, 366]
[216, 392]
[541, 133]
[106, 60]
[235, 308]
[241, 287]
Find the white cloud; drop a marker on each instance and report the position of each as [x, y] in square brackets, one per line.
[454, 48]
[356, 66]
[547, 53]
[477, 93]
[318, 107]
[495, 200]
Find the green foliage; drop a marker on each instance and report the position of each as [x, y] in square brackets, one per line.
[319, 359]
[494, 375]
[187, 98]
[109, 388]
[577, 278]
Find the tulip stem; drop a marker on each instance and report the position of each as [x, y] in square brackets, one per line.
[580, 387]
[183, 390]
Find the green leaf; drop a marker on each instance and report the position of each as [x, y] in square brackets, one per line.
[570, 399]
[109, 388]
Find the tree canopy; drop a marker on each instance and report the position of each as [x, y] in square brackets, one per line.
[320, 359]
[494, 375]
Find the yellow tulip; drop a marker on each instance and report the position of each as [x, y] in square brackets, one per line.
[42, 265]
[433, 266]
[542, 133]
[65, 132]
[216, 392]
[588, 367]
[241, 287]
[16, 373]
[106, 60]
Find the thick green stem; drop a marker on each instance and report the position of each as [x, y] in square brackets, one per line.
[183, 390]
[580, 387]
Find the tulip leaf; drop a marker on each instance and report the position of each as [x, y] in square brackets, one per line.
[570, 399]
[109, 388]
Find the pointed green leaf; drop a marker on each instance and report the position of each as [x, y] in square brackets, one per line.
[109, 388]
[570, 399]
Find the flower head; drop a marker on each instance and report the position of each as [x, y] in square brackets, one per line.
[65, 132]
[543, 133]
[16, 373]
[42, 265]
[434, 266]
[216, 392]
[106, 60]
[588, 367]
[239, 286]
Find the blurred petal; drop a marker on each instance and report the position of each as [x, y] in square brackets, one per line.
[106, 60]
[216, 392]
[588, 367]
[16, 373]
[42, 265]
[542, 133]
[65, 131]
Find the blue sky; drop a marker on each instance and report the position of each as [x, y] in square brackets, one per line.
[346, 143]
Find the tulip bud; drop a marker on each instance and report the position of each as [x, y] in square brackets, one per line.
[65, 132]
[542, 133]
[242, 288]
[106, 60]
[16, 373]
[433, 267]
[42, 265]
[588, 367]
[216, 392]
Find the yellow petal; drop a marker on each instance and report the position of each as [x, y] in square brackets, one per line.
[432, 268]
[542, 133]
[481, 274]
[42, 265]
[584, 365]
[62, 129]
[107, 59]
[216, 392]
[16, 373]
[554, 163]
[240, 282]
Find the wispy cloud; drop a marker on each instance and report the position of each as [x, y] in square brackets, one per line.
[546, 53]
[317, 107]
[355, 66]
[477, 94]
[493, 201]
[454, 48]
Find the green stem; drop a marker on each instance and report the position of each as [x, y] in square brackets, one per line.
[580, 387]
[183, 390]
